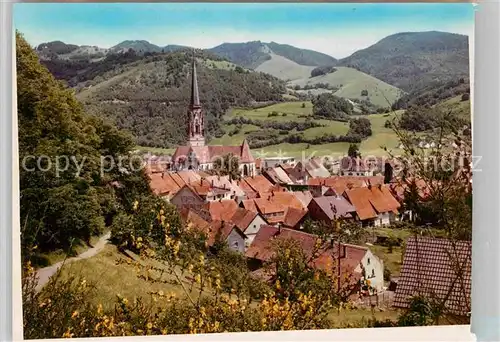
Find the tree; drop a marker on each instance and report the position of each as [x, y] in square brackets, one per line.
[353, 151]
[361, 127]
[332, 107]
[228, 165]
[438, 189]
[62, 207]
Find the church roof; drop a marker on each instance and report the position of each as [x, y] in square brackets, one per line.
[207, 154]
[195, 95]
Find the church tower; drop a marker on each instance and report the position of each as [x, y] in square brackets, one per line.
[196, 120]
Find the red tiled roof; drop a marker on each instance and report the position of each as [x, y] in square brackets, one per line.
[430, 269]
[189, 216]
[246, 154]
[283, 199]
[360, 199]
[249, 204]
[258, 183]
[342, 183]
[372, 200]
[221, 228]
[221, 210]
[399, 187]
[293, 216]
[304, 197]
[261, 248]
[242, 218]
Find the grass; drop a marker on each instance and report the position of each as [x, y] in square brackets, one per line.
[382, 136]
[357, 317]
[59, 255]
[235, 139]
[111, 278]
[351, 82]
[393, 261]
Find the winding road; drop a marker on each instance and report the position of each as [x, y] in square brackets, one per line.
[45, 273]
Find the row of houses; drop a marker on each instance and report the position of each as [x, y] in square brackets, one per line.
[249, 214]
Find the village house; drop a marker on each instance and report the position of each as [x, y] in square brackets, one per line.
[311, 168]
[272, 162]
[273, 205]
[195, 155]
[216, 230]
[304, 197]
[249, 222]
[354, 167]
[328, 208]
[438, 269]
[375, 205]
[219, 210]
[294, 218]
[166, 184]
[277, 175]
[228, 233]
[255, 184]
[356, 262]
[323, 186]
[195, 195]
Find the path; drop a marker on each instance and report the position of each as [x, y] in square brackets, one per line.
[45, 273]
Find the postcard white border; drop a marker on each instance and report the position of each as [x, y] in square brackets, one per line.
[485, 95]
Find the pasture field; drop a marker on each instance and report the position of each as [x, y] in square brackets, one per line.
[297, 111]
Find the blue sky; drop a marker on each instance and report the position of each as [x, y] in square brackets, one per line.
[336, 29]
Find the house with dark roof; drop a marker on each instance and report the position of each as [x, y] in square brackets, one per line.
[439, 269]
[356, 262]
[375, 205]
[327, 208]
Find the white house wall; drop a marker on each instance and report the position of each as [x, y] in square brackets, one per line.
[252, 229]
[377, 266]
[236, 242]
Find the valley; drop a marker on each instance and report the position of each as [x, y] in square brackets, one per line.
[143, 88]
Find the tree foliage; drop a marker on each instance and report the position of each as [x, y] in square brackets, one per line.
[332, 107]
[65, 195]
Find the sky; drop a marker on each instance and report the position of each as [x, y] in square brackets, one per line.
[337, 29]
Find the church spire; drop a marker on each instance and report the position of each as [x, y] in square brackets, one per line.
[195, 96]
[196, 120]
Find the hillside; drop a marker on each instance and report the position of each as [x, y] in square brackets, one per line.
[350, 83]
[253, 54]
[150, 96]
[413, 60]
[284, 68]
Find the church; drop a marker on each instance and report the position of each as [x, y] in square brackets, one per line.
[196, 155]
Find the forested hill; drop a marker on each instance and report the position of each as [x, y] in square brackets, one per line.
[148, 94]
[252, 54]
[413, 60]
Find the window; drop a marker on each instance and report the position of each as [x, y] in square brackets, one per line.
[368, 262]
[373, 273]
